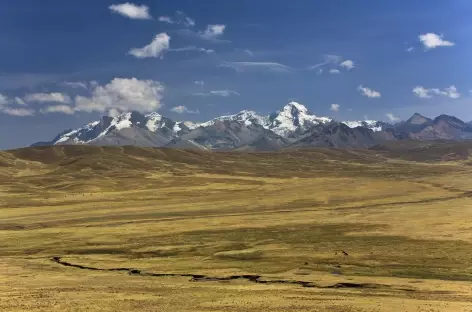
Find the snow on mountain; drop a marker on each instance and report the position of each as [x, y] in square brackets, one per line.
[373, 125]
[291, 121]
[247, 117]
[294, 117]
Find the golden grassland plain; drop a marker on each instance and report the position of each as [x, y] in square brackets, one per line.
[322, 230]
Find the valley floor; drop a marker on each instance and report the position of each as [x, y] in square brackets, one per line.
[130, 229]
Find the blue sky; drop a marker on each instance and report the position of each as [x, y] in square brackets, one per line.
[65, 63]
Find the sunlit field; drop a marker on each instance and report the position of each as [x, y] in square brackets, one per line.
[124, 228]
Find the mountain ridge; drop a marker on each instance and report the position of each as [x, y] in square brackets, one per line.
[292, 126]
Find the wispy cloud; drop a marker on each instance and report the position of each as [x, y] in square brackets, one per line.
[48, 97]
[370, 93]
[328, 59]
[246, 66]
[450, 92]
[432, 40]
[334, 71]
[224, 93]
[64, 109]
[192, 48]
[392, 117]
[410, 49]
[180, 18]
[199, 82]
[158, 46]
[213, 31]
[131, 10]
[76, 85]
[19, 101]
[3, 100]
[335, 107]
[19, 112]
[249, 52]
[182, 109]
[166, 19]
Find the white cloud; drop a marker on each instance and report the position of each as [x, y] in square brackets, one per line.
[19, 112]
[334, 71]
[3, 100]
[369, 92]
[348, 64]
[432, 40]
[450, 92]
[48, 97]
[19, 101]
[248, 52]
[328, 59]
[182, 109]
[64, 109]
[224, 93]
[335, 107]
[319, 71]
[213, 31]
[192, 48]
[184, 19]
[392, 118]
[76, 85]
[244, 66]
[131, 10]
[166, 19]
[410, 49]
[123, 94]
[199, 82]
[154, 49]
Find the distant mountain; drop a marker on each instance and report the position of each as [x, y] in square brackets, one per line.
[292, 126]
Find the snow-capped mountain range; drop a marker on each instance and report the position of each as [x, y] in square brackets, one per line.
[293, 125]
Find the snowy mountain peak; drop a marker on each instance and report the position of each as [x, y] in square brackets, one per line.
[295, 106]
[153, 121]
[294, 117]
[247, 117]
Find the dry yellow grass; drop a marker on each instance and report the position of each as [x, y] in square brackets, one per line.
[287, 216]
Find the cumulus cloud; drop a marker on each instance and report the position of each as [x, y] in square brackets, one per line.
[19, 112]
[224, 93]
[347, 64]
[335, 107]
[245, 66]
[131, 10]
[334, 71]
[392, 117]
[213, 31]
[432, 40]
[64, 109]
[182, 109]
[124, 95]
[154, 49]
[450, 92]
[48, 97]
[369, 92]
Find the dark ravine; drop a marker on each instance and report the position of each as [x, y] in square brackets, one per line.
[251, 278]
